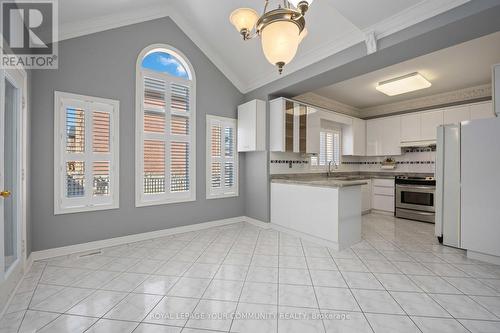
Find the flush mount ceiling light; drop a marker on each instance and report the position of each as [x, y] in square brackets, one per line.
[281, 30]
[403, 84]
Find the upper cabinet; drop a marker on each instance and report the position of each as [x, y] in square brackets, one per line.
[429, 122]
[482, 111]
[354, 138]
[420, 128]
[290, 126]
[252, 126]
[295, 127]
[383, 136]
[410, 127]
[455, 115]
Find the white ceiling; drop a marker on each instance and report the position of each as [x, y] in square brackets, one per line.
[333, 25]
[457, 67]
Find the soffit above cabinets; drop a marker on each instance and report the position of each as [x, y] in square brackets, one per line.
[333, 25]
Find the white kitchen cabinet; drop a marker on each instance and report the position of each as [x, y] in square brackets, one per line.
[410, 127]
[455, 115]
[293, 125]
[383, 195]
[354, 138]
[366, 196]
[383, 136]
[252, 126]
[429, 122]
[281, 115]
[482, 111]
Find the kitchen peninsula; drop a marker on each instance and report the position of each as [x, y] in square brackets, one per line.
[323, 208]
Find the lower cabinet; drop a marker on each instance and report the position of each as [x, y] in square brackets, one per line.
[366, 195]
[383, 195]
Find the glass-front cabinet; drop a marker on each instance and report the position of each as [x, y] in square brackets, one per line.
[291, 126]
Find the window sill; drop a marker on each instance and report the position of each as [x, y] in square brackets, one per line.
[86, 209]
[222, 196]
[146, 203]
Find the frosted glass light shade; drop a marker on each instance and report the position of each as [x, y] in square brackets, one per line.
[403, 84]
[244, 19]
[280, 41]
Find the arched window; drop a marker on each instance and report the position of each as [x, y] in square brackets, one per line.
[165, 127]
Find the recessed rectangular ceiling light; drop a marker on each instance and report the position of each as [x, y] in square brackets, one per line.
[403, 84]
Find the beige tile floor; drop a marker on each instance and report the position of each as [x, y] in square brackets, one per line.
[241, 278]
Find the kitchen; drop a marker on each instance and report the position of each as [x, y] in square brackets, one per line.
[321, 161]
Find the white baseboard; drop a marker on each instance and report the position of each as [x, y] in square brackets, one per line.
[491, 259]
[381, 212]
[92, 246]
[257, 223]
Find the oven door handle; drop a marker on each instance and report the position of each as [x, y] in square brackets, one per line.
[416, 187]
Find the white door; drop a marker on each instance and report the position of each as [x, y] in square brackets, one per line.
[12, 87]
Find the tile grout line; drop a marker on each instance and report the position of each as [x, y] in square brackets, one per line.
[246, 275]
[417, 286]
[208, 285]
[149, 275]
[312, 283]
[350, 290]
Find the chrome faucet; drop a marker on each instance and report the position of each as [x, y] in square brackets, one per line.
[329, 173]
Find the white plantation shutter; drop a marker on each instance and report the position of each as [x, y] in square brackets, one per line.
[222, 158]
[329, 146]
[86, 153]
[167, 139]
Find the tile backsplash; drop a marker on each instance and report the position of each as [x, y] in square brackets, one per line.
[413, 160]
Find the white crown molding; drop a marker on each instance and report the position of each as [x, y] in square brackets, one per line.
[415, 14]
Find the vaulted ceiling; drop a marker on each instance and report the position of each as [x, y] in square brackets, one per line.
[333, 26]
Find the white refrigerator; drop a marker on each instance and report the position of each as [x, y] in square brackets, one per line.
[468, 187]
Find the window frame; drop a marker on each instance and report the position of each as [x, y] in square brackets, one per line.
[63, 205]
[333, 131]
[142, 199]
[223, 192]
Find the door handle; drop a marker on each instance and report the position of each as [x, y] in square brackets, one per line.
[5, 194]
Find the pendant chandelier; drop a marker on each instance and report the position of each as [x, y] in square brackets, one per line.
[281, 30]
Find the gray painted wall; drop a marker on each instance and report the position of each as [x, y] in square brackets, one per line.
[469, 21]
[103, 65]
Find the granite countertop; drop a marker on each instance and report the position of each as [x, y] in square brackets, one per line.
[321, 182]
[337, 180]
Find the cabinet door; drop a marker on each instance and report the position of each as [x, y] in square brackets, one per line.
[302, 128]
[481, 111]
[429, 124]
[354, 138]
[390, 129]
[456, 115]
[410, 127]
[247, 124]
[373, 137]
[313, 129]
[289, 128]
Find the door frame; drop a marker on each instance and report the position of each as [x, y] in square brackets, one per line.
[22, 130]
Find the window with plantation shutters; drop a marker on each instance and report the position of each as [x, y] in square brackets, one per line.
[329, 147]
[165, 137]
[86, 147]
[222, 158]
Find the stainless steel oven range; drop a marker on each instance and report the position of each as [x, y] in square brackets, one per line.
[415, 198]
